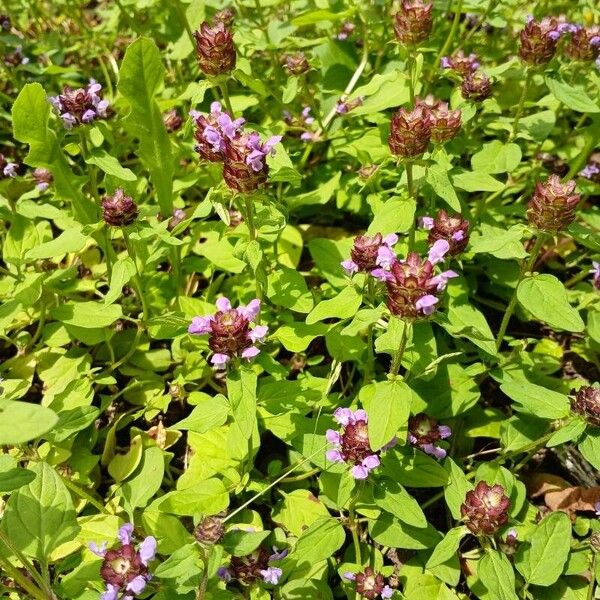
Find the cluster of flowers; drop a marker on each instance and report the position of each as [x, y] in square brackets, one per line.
[586, 403]
[475, 84]
[552, 205]
[413, 22]
[369, 584]
[295, 63]
[592, 170]
[8, 168]
[424, 432]
[539, 41]
[80, 106]
[229, 332]
[254, 567]
[412, 130]
[215, 50]
[305, 122]
[485, 509]
[125, 569]
[119, 210]
[346, 30]
[221, 139]
[351, 443]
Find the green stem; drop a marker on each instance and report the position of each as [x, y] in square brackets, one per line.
[137, 280]
[22, 581]
[397, 358]
[249, 209]
[354, 530]
[84, 494]
[226, 99]
[526, 85]
[411, 75]
[411, 194]
[204, 582]
[592, 584]
[274, 483]
[513, 300]
[183, 18]
[302, 476]
[450, 36]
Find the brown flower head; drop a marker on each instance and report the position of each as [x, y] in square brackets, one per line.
[296, 63]
[215, 50]
[119, 210]
[584, 44]
[43, 178]
[485, 508]
[461, 63]
[586, 402]
[172, 120]
[424, 432]
[225, 15]
[552, 205]
[476, 86]
[445, 123]
[370, 585]
[538, 40]
[452, 228]
[413, 22]
[209, 531]
[410, 132]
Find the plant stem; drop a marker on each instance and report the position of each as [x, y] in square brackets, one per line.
[411, 194]
[280, 478]
[226, 99]
[137, 280]
[592, 584]
[451, 34]
[397, 358]
[411, 76]
[526, 85]
[183, 18]
[513, 300]
[20, 579]
[204, 582]
[354, 529]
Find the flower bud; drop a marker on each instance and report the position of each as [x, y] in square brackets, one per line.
[119, 210]
[5, 22]
[485, 509]
[410, 132]
[43, 178]
[413, 22]
[209, 531]
[460, 63]
[215, 50]
[346, 31]
[179, 215]
[370, 585]
[424, 432]
[584, 44]
[586, 403]
[296, 63]
[445, 123]
[454, 229]
[538, 40]
[225, 15]
[476, 86]
[172, 120]
[552, 205]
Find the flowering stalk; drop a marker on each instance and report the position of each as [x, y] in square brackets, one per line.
[451, 33]
[539, 242]
[399, 353]
[411, 194]
[137, 280]
[526, 85]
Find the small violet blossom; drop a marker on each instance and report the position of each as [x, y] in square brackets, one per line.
[370, 584]
[80, 106]
[254, 567]
[351, 443]
[596, 274]
[125, 569]
[229, 331]
[424, 432]
[370, 252]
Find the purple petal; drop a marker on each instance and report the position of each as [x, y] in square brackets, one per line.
[215, 108]
[349, 266]
[334, 456]
[220, 360]
[426, 222]
[387, 592]
[258, 334]
[98, 550]
[359, 472]
[445, 62]
[68, 120]
[10, 170]
[269, 145]
[88, 116]
[349, 576]
[271, 575]
[332, 436]
[125, 532]
[200, 325]
[136, 585]
[458, 236]
[250, 352]
[382, 275]
[251, 310]
[360, 415]
[438, 251]
[385, 257]
[224, 573]
[279, 555]
[444, 431]
[111, 592]
[391, 239]
[147, 550]
[371, 462]
[434, 451]
[426, 304]
[223, 304]
[342, 416]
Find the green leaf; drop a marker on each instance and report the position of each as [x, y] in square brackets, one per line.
[298, 510]
[287, 287]
[537, 400]
[543, 561]
[209, 413]
[343, 306]
[241, 389]
[71, 240]
[319, 196]
[568, 432]
[457, 487]
[545, 297]
[496, 157]
[72, 421]
[476, 181]
[437, 178]
[572, 96]
[393, 216]
[40, 516]
[296, 336]
[238, 542]
[497, 574]
[147, 479]
[590, 447]
[12, 476]
[393, 498]
[389, 531]
[89, 315]
[110, 165]
[122, 272]
[414, 469]
[140, 77]
[123, 465]
[184, 562]
[448, 547]
[22, 236]
[21, 422]
[499, 242]
[318, 542]
[207, 497]
[317, 16]
[388, 412]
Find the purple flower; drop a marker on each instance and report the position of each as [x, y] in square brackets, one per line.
[426, 222]
[438, 251]
[596, 274]
[10, 170]
[351, 443]
[271, 575]
[370, 252]
[590, 170]
[80, 106]
[229, 331]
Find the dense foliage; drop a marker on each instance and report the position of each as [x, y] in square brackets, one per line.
[300, 299]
